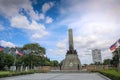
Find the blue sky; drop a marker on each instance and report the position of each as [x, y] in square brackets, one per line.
[95, 24]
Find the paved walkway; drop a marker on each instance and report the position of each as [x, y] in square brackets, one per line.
[57, 76]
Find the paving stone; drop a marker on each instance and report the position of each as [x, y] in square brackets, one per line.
[57, 76]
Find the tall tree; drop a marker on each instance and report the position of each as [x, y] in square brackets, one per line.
[34, 55]
[107, 61]
[6, 60]
[116, 56]
[115, 60]
[54, 63]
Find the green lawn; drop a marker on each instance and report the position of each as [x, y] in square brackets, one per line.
[9, 73]
[4, 72]
[112, 74]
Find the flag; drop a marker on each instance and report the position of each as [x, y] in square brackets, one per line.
[19, 52]
[1, 48]
[113, 47]
[119, 41]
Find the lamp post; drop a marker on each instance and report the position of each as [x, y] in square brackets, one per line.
[14, 64]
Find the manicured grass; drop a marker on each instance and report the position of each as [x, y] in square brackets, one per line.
[112, 74]
[4, 72]
[9, 73]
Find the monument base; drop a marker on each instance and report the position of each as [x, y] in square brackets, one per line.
[71, 62]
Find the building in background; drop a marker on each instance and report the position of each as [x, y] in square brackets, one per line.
[96, 55]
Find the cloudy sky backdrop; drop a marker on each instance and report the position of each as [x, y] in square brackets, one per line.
[95, 24]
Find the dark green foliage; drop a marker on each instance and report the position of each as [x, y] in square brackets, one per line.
[54, 63]
[107, 61]
[33, 60]
[115, 59]
[33, 56]
[6, 60]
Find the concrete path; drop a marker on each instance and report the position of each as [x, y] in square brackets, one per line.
[58, 76]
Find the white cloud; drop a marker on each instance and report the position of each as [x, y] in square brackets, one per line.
[62, 44]
[37, 30]
[35, 26]
[81, 44]
[49, 19]
[20, 22]
[95, 23]
[11, 8]
[38, 35]
[47, 6]
[42, 16]
[56, 54]
[13, 11]
[6, 44]
[57, 51]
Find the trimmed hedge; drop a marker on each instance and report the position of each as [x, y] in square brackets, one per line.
[112, 74]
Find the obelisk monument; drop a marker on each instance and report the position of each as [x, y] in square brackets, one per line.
[70, 39]
[71, 61]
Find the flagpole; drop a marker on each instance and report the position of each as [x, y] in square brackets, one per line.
[14, 68]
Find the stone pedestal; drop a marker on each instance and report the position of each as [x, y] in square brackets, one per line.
[71, 62]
